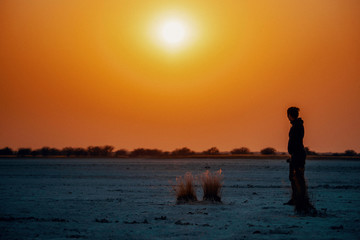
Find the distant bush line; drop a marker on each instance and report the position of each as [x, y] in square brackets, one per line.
[108, 151]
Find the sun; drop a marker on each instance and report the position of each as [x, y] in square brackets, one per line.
[173, 32]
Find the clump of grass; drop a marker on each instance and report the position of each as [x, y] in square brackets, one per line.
[185, 188]
[211, 184]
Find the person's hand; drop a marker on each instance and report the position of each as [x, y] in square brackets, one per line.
[288, 160]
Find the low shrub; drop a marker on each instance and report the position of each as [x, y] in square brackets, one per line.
[242, 150]
[268, 151]
[212, 151]
[182, 152]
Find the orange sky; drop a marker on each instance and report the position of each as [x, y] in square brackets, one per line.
[80, 73]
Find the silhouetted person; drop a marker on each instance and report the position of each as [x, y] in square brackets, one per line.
[296, 149]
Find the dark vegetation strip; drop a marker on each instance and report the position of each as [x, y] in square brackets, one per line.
[108, 151]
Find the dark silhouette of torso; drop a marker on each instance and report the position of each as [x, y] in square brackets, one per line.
[295, 145]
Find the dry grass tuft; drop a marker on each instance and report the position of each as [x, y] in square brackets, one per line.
[185, 188]
[212, 184]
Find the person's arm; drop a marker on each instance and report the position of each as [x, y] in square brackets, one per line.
[291, 141]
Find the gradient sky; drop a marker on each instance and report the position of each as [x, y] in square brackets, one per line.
[80, 73]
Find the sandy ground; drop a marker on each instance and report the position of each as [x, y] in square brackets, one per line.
[133, 199]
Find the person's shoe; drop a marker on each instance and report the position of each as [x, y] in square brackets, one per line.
[290, 202]
[307, 211]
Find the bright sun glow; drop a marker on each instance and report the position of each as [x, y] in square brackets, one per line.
[173, 32]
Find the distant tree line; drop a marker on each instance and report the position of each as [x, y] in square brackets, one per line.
[108, 151]
[92, 151]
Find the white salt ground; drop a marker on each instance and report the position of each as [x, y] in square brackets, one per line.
[133, 199]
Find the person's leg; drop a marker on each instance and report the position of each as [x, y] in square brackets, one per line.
[301, 179]
[299, 193]
[302, 202]
[293, 186]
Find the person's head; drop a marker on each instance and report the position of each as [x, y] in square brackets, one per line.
[293, 113]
